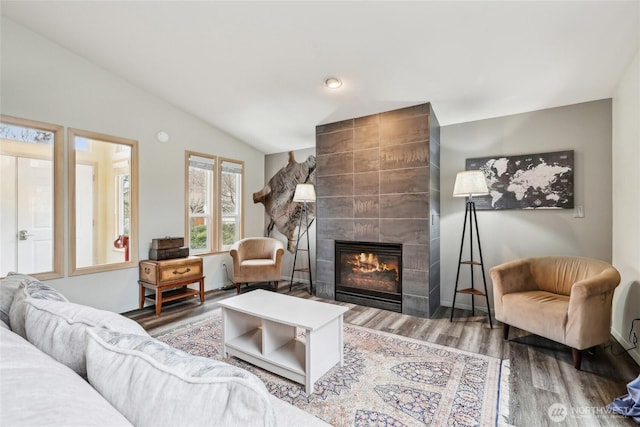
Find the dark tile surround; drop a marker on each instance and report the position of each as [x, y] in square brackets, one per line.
[378, 180]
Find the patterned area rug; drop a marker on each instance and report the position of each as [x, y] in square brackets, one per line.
[386, 380]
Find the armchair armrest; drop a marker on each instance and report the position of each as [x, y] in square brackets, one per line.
[236, 254]
[592, 286]
[510, 277]
[514, 276]
[278, 252]
[589, 312]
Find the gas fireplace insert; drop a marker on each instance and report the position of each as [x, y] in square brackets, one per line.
[369, 273]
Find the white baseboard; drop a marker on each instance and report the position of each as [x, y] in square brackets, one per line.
[624, 342]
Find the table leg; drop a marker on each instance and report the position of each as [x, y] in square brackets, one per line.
[340, 341]
[225, 321]
[141, 295]
[202, 291]
[309, 368]
[158, 301]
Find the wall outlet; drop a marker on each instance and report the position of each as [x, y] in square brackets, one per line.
[633, 338]
[578, 211]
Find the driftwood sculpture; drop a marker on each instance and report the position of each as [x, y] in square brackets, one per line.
[277, 198]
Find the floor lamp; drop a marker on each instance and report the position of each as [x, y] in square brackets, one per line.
[469, 184]
[305, 193]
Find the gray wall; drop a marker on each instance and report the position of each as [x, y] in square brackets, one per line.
[507, 235]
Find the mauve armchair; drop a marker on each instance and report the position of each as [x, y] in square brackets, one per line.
[565, 299]
[257, 259]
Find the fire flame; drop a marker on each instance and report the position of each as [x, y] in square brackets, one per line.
[369, 263]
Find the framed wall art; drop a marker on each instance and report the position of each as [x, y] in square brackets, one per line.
[529, 181]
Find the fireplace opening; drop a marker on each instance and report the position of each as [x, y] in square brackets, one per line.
[370, 274]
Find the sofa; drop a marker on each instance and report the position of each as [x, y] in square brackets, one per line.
[565, 299]
[257, 259]
[66, 364]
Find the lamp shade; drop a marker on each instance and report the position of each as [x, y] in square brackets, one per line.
[470, 183]
[304, 193]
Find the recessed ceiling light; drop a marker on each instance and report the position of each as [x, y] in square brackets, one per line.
[333, 82]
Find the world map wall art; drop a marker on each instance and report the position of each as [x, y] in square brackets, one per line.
[530, 181]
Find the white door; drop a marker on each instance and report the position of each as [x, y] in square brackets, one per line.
[27, 215]
[8, 213]
[84, 216]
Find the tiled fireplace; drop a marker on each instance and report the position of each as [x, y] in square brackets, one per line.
[378, 181]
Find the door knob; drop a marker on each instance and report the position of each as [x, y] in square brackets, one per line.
[22, 235]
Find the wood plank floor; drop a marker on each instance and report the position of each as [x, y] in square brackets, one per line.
[542, 372]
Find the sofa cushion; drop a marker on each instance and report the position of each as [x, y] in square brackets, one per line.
[8, 287]
[37, 391]
[29, 288]
[58, 329]
[168, 387]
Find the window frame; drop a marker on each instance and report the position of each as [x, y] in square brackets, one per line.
[57, 157]
[134, 236]
[214, 231]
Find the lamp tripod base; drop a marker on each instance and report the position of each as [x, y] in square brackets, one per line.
[470, 213]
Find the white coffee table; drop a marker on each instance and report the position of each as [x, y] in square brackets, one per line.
[260, 327]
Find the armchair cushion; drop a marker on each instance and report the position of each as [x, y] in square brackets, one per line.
[552, 325]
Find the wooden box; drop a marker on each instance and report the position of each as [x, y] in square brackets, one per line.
[171, 253]
[167, 242]
[171, 270]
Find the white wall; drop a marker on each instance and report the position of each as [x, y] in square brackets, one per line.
[273, 163]
[626, 204]
[42, 81]
[511, 234]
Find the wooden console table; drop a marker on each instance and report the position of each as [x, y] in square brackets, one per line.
[169, 279]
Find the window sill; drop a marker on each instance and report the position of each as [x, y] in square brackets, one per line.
[203, 254]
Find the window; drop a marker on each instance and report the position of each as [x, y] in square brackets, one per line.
[213, 202]
[31, 191]
[231, 202]
[201, 195]
[103, 208]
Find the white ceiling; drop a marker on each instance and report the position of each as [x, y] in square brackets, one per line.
[256, 69]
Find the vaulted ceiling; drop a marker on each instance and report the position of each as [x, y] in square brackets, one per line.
[256, 69]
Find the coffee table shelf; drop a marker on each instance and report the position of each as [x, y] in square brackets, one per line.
[261, 328]
[289, 356]
[251, 342]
